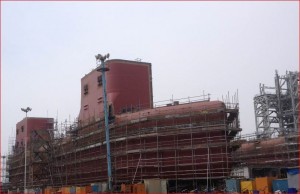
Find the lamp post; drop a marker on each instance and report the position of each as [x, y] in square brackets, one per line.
[26, 110]
[101, 61]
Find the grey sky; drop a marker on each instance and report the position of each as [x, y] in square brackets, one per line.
[193, 46]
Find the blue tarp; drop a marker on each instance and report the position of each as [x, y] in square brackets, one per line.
[292, 190]
[293, 171]
[280, 184]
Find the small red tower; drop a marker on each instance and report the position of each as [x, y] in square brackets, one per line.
[29, 124]
[129, 88]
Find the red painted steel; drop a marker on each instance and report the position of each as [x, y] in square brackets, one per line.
[129, 87]
[29, 124]
[185, 141]
[175, 142]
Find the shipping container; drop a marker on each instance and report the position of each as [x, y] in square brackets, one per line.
[248, 186]
[280, 185]
[95, 188]
[80, 190]
[264, 184]
[99, 187]
[73, 190]
[128, 188]
[104, 187]
[50, 190]
[233, 185]
[293, 178]
[156, 185]
[65, 190]
[30, 191]
[139, 188]
[123, 188]
[88, 189]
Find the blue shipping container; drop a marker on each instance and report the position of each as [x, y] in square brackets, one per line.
[280, 184]
[73, 190]
[233, 185]
[95, 188]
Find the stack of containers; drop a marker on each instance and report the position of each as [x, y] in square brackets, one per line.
[248, 186]
[264, 184]
[233, 185]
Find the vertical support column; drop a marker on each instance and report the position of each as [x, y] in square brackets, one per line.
[26, 110]
[157, 152]
[103, 69]
[293, 92]
[279, 104]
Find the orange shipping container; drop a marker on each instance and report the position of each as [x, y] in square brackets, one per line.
[80, 190]
[65, 190]
[264, 184]
[128, 188]
[49, 190]
[139, 188]
[123, 188]
[88, 189]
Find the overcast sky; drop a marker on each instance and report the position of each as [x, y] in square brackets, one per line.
[216, 47]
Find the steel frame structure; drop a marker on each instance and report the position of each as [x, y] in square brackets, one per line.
[276, 108]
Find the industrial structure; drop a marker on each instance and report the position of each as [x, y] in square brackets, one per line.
[274, 147]
[191, 143]
[276, 108]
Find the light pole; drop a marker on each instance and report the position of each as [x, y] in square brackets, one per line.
[102, 69]
[26, 110]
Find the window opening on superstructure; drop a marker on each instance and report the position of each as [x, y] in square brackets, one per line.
[85, 89]
[99, 99]
[22, 128]
[99, 79]
[110, 112]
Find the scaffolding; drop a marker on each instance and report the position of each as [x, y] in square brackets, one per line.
[39, 164]
[179, 143]
[193, 145]
[275, 145]
[276, 108]
[278, 153]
